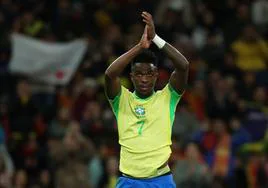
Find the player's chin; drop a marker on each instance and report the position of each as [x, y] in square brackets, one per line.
[145, 91]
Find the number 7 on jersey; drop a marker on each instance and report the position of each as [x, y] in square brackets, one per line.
[140, 123]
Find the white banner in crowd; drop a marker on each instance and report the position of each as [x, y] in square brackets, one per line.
[51, 63]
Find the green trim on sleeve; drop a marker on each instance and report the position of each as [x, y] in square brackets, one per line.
[174, 100]
[171, 89]
[115, 104]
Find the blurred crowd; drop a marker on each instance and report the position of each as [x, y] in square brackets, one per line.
[66, 136]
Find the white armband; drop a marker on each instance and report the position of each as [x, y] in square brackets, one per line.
[160, 43]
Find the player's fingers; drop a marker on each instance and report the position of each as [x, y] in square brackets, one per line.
[144, 12]
[147, 15]
[146, 21]
[143, 16]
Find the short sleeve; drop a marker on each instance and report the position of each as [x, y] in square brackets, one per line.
[173, 100]
[174, 94]
[116, 101]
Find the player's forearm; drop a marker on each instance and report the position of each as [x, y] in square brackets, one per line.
[118, 66]
[179, 61]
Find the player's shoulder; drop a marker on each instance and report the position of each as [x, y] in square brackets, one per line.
[164, 89]
[124, 92]
[168, 90]
[164, 92]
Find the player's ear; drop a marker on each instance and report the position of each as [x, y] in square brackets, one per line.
[156, 73]
[131, 76]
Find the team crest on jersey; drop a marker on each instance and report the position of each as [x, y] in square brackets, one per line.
[140, 111]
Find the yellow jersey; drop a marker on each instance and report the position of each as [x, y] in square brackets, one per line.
[144, 128]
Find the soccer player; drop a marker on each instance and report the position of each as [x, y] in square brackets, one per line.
[145, 117]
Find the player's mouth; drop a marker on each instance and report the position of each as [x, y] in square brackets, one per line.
[145, 88]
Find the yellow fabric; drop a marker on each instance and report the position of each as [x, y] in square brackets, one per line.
[144, 127]
[251, 56]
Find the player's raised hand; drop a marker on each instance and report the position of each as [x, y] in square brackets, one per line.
[148, 19]
[145, 42]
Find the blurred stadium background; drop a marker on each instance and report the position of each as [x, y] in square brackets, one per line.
[64, 135]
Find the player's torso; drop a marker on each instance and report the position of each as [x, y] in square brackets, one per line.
[144, 128]
[144, 124]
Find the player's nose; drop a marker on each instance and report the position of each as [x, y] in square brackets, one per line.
[144, 79]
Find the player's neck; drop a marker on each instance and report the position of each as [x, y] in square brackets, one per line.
[140, 96]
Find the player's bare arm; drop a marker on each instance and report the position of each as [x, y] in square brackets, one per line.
[179, 77]
[113, 72]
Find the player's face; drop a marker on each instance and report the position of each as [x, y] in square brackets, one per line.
[144, 76]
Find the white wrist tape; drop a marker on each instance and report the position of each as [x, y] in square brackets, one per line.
[160, 43]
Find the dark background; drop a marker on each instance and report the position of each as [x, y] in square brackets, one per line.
[66, 136]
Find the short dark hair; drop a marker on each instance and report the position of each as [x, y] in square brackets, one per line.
[146, 56]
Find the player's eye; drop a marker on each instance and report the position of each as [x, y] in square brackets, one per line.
[138, 74]
[150, 74]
